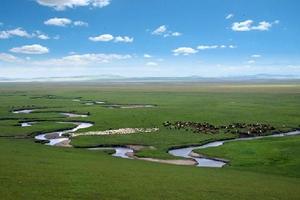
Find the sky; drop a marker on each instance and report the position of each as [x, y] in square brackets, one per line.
[149, 38]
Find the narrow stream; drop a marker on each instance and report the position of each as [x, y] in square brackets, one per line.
[74, 115]
[25, 111]
[26, 124]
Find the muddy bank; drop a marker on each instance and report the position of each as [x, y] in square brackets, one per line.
[173, 162]
[121, 152]
[128, 152]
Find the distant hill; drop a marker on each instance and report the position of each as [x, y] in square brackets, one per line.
[116, 78]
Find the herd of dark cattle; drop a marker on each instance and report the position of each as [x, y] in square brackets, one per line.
[242, 129]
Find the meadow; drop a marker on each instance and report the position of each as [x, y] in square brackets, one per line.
[262, 169]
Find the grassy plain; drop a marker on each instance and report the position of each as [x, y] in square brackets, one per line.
[34, 171]
[269, 155]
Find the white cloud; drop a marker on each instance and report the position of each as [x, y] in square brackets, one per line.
[40, 35]
[100, 3]
[102, 38]
[176, 34]
[80, 23]
[163, 31]
[248, 25]
[74, 60]
[160, 30]
[20, 32]
[63, 22]
[256, 56]
[207, 47]
[98, 58]
[151, 63]
[63, 4]
[125, 39]
[58, 22]
[184, 51]
[5, 57]
[82, 60]
[30, 49]
[43, 37]
[14, 32]
[262, 26]
[251, 61]
[147, 56]
[109, 37]
[229, 16]
[242, 26]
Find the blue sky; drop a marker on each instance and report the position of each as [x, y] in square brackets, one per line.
[134, 38]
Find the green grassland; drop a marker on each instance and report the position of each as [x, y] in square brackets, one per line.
[162, 141]
[33, 171]
[268, 155]
[12, 128]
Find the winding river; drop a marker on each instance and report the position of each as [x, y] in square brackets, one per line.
[213, 162]
[121, 152]
[58, 138]
[201, 162]
[187, 152]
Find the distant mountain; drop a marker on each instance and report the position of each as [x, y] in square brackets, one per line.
[117, 78]
[62, 79]
[267, 76]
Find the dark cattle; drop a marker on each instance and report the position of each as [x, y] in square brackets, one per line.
[205, 127]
